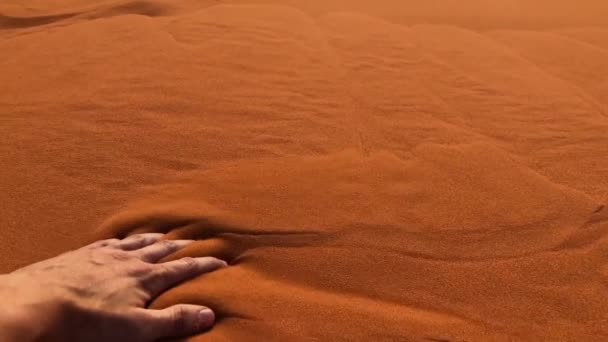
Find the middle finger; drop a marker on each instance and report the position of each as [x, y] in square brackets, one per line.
[161, 249]
[138, 241]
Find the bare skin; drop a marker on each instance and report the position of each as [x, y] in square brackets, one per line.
[100, 292]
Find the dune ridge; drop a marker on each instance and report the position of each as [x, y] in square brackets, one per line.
[384, 170]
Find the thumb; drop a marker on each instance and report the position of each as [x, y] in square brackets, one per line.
[175, 321]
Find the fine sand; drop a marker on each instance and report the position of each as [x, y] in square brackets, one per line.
[373, 170]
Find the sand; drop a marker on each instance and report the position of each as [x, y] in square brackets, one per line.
[373, 170]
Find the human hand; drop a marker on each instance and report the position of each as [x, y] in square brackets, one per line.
[100, 293]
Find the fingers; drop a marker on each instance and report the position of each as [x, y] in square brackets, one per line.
[175, 321]
[161, 249]
[138, 241]
[168, 274]
[130, 243]
[221, 248]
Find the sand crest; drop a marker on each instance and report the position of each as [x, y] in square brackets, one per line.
[373, 170]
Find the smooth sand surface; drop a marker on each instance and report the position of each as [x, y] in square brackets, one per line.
[374, 170]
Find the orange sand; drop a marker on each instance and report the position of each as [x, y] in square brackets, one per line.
[374, 170]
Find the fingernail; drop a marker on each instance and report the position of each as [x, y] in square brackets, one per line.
[206, 317]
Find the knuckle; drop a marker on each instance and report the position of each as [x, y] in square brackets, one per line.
[137, 237]
[140, 268]
[104, 243]
[179, 319]
[139, 240]
[119, 255]
[163, 272]
[189, 263]
[110, 242]
[168, 244]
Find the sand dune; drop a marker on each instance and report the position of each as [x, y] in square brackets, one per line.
[373, 170]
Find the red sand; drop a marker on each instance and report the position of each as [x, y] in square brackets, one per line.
[374, 170]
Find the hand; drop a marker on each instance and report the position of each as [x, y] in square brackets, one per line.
[100, 293]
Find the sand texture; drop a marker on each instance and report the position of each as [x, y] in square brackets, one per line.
[387, 170]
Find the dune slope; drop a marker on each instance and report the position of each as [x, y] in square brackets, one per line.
[386, 170]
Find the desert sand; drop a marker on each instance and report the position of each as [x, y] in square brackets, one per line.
[373, 170]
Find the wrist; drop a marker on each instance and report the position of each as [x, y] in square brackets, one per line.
[13, 327]
[27, 316]
[11, 317]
